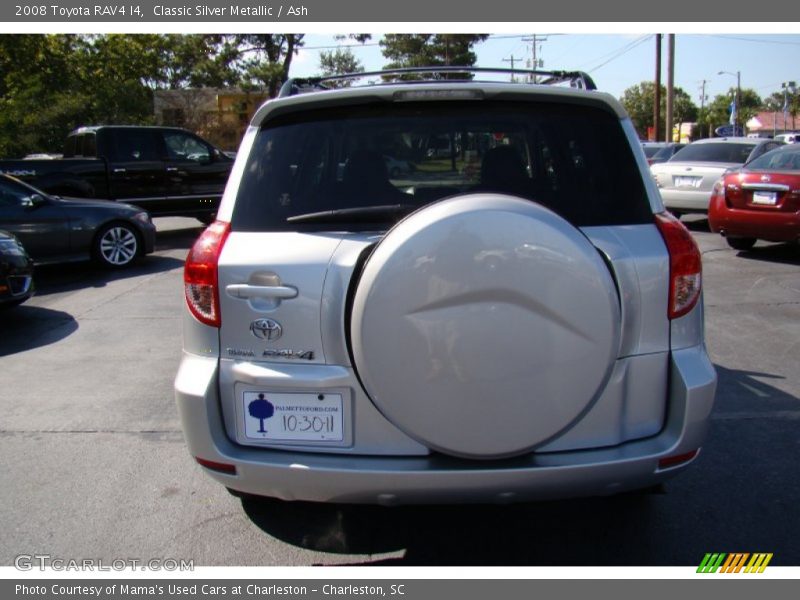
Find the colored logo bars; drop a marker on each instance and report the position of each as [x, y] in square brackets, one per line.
[734, 563]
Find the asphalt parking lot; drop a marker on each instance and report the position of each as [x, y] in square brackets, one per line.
[94, 464]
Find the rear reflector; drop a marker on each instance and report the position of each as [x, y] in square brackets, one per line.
[216, 466]
[678, 459]
[200, 274]
[685, 265]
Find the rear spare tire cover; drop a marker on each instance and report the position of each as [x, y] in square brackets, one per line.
[484, 325]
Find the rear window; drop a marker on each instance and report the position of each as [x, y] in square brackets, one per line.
[355, 161]
[651, 151]
[784, 159]
[667, 151]
[723, 152]
[81, 146]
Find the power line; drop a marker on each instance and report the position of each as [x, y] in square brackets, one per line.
[752, 40]
[637, 42]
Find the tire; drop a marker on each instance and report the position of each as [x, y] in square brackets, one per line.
[741, 243]
[116, 245]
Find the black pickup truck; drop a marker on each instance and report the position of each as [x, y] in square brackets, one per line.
[165, 170]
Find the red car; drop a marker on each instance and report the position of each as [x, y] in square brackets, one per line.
[760, 201]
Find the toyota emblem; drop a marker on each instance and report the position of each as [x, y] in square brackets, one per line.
[266, 329]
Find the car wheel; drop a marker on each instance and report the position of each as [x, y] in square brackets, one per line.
[116, 245]
[741, 243]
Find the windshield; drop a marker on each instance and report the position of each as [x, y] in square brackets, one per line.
[782, 159]
[722, 152]
[651, 151]
[573, 159]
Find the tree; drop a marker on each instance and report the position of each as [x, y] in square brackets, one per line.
[775, 103]
[265, 59]
[719, 111]
[427, 49]
[339, 62]
[638, 101]
[51, 84]
[41, 97]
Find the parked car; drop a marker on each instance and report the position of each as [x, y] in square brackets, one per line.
[530, 330]
[16, 271]
[164, 170]
[55, 229]
[652, 148]
[760, 201]
[789, 138]
[665, 153]
[686, 180]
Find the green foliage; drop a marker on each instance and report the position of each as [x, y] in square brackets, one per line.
[427, 49]
[775, 102]
[719, 109]
[638, 101]
[338, 62]
[265, 59]
[51, 84]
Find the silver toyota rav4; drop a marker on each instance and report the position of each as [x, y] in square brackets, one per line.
[511, 317]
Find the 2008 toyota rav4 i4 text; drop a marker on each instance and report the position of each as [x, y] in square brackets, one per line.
[519, 319]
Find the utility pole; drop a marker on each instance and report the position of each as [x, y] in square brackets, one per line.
[668, 136]
[512, 60]
[534, 39]
[703, 99]
[657, 91]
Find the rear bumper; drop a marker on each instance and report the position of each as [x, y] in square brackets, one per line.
[423, 479]
[686, 200]
[773, 225]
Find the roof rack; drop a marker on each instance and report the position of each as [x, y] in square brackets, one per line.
[576, 79]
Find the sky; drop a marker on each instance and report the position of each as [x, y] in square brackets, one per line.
[619, 61]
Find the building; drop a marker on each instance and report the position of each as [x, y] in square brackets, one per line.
[772, 123]
[219, 115]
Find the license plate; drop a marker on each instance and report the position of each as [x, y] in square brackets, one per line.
[770, 198]
[685, 181]
[293, 417]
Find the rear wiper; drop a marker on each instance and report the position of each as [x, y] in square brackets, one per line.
[364, 214]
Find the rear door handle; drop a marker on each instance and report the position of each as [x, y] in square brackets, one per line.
[267, 292]
[120, 170]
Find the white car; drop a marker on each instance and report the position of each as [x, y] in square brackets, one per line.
[687, 179]
[789, 138]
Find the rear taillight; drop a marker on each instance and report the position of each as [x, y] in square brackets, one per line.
[677, 459]
[200, 274]
[226, 468]
[685, 265]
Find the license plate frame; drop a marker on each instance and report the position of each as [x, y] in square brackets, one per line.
[292, 417]
[765, 198]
